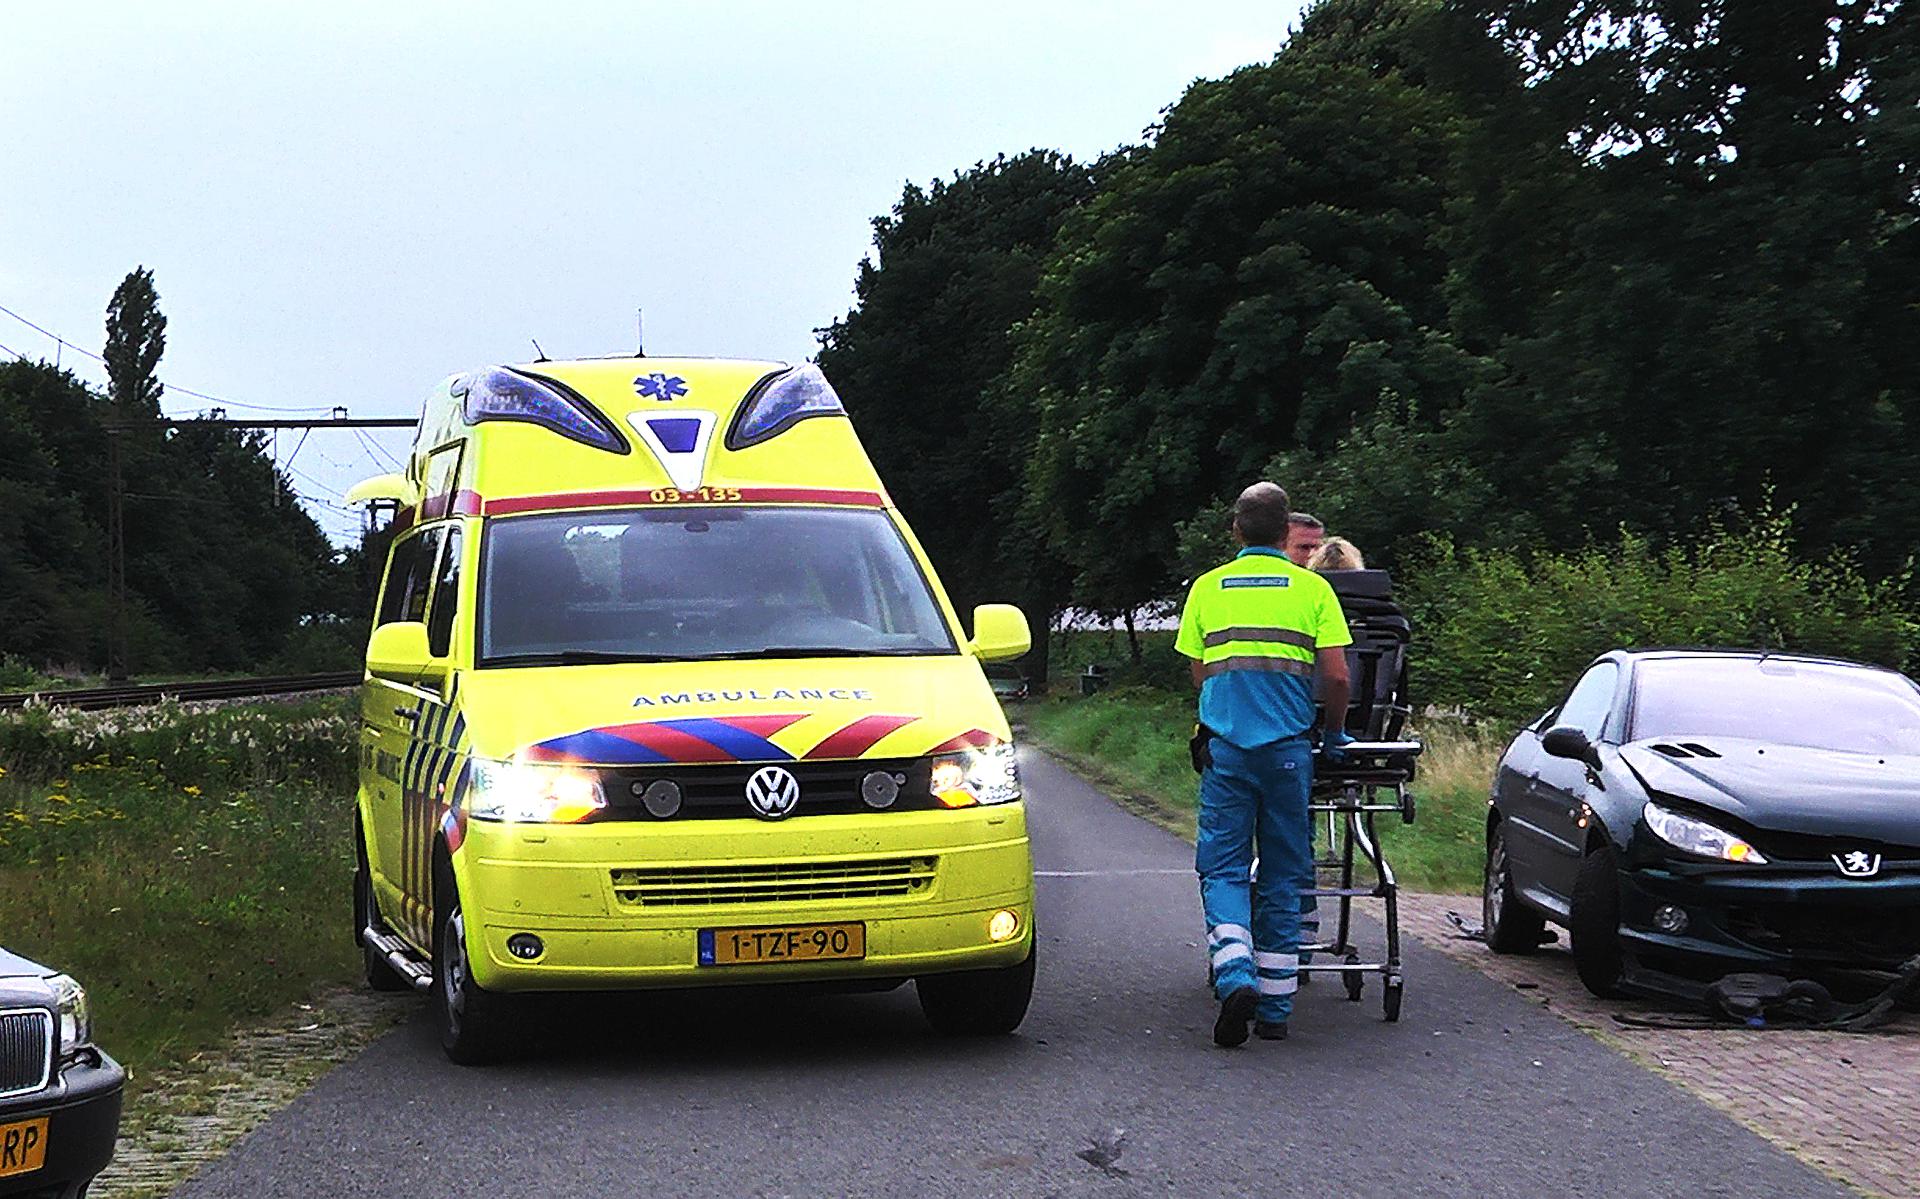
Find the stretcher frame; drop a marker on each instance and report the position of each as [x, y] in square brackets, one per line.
[1370, 778]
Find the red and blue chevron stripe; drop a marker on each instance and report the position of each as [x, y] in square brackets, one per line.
[696, 739]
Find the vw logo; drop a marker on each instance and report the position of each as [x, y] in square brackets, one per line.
[773, 792]
[1857, 863]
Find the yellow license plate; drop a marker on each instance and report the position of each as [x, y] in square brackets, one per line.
[787, 943]
[23, 1146]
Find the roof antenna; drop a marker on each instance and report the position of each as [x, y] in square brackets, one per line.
[640, 332]
[536, 349]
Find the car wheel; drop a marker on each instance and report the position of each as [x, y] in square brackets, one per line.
[381, 976]
[474, 1023]
[1509, 925]
[978, 1003]
[1594, 923]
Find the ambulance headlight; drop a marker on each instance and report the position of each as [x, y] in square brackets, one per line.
[777, 401]
[988, 775]
[533, 793]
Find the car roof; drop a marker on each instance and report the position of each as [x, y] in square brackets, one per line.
[1647, 653]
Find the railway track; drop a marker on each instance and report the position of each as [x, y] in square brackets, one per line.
[133, 694]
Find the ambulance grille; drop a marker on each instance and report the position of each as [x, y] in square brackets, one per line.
[26, 1050]
[773, 882]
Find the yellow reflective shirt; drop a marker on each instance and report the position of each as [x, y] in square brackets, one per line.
[1254, 624]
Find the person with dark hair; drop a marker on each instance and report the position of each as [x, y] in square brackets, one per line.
[1305, 532]
[1257, 629]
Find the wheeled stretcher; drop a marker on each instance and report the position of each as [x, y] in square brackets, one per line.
[1370, 777]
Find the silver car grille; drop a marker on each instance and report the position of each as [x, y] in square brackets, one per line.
[26, 1050]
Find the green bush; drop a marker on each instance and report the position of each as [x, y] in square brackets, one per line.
[1500, 636]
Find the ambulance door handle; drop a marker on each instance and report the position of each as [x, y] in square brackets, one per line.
[412, 713]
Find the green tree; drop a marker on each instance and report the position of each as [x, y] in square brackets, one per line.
[921, 363]
[1252, 281]
[136, 337]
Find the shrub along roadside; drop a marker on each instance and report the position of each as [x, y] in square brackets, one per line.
[1500, 637]
[1134, 740]
[192, 868]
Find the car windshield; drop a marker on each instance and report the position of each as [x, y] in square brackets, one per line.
[657, 584]
[1816, 704]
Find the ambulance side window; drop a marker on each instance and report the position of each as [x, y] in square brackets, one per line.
[409, 577]
[420, 577]
[399, 565]
[446, 598]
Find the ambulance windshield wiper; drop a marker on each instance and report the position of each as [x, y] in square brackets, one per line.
[803, 651]
[590, 657]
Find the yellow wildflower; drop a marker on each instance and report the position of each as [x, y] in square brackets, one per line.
[190, 789]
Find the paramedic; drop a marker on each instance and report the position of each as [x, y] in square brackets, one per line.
[1305, 532]
[1256, 629]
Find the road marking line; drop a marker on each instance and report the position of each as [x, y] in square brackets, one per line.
[1110, 873]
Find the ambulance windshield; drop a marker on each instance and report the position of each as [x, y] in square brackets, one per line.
[687, 583]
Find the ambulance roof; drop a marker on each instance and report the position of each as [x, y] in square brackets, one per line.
[603, 432]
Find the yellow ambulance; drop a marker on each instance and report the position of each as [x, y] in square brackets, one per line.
[662, 693]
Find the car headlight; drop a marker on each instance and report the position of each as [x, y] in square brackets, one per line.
[1697, 837]
[74, 1013]
[988, 775]
[533, 793]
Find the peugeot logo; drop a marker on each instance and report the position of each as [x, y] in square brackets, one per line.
[1857, 863]
[773, 792]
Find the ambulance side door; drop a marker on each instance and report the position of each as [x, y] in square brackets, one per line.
[392, 710]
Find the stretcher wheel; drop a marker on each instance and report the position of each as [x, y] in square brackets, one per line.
[1390, 999]
[1406, 809]
[1353, 978]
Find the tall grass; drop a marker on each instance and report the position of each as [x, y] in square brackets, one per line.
[1133, 740]
[192, 867]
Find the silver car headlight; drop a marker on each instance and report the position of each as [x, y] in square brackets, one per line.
[75, 1014]
[987, 775]
[1699, 838]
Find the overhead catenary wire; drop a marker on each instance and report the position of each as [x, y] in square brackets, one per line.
[173, 387]
[378, 449]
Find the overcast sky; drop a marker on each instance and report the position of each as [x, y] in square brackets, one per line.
[343, 203]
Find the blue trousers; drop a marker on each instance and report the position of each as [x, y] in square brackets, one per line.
[1253, 927]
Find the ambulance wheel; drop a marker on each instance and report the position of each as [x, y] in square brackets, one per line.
[1354, 980]
[1507, 925]
[474, 1023]
[978, 1003]
[1390, 999]
[381, 976]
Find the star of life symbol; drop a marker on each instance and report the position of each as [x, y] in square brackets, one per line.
[659, 386]
[773, 792]
[1857, 863]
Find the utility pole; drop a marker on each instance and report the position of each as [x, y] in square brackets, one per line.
[116, 557]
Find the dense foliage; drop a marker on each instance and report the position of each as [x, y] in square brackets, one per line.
[1502, 635]
[1512, 273]
[225, 571]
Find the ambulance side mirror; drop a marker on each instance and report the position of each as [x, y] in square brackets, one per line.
[999, 633]
[399, 651]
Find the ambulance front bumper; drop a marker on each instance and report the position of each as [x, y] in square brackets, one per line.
[623, 905]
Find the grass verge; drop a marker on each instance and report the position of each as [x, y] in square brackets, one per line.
[1133, 741]
[191, 866]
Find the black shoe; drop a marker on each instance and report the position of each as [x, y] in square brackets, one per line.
[1270, 1030]
[1235, 1011]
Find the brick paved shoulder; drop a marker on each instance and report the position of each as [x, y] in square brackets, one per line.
[189, 1117]
[1847, 1103]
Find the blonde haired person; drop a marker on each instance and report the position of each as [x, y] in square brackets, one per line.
[1336, 553]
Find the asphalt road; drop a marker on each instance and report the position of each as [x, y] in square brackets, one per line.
[1475, 1092]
